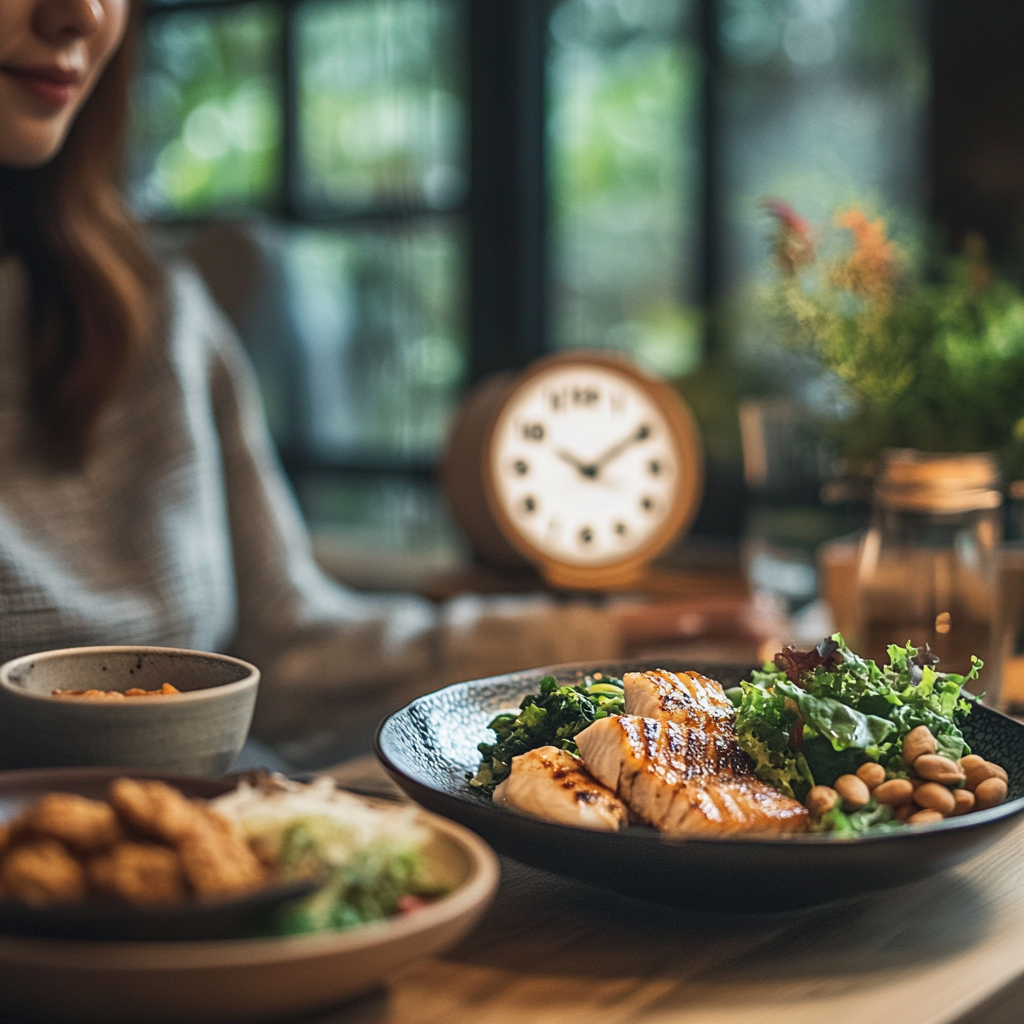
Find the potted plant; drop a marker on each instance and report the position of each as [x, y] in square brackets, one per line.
[931, 366]
[932, 361]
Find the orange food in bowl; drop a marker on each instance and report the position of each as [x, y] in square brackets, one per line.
[165, 691]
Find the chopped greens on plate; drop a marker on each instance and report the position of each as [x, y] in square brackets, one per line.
[371, 857]
[810, 717]
[552, 717]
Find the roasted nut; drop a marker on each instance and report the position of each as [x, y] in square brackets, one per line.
[917, 742]
[895, 792]
[924, 817]
[936, 768]
[906, 811]
[964, 801]
[853, 792]
[871, 774]
[935, 797]
[999, 770]
[990, 793]
[977, 770]
[820, 800]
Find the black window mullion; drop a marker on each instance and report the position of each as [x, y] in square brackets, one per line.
[711, 167]
[508, 193]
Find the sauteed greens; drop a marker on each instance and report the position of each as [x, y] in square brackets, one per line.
[552, 717]
[809, 717]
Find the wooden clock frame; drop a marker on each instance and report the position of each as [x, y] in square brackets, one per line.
[466, 475]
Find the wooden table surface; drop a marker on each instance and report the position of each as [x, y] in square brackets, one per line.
[555, 951]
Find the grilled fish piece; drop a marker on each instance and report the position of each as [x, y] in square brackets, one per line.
[684, 779]
[686, 697]
[555, 785]
[704, 742]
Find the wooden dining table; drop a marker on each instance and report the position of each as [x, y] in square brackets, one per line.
[551, 950]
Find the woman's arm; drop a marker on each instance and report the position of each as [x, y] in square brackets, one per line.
[327, 653]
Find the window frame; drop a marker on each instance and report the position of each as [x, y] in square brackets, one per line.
[506, 207]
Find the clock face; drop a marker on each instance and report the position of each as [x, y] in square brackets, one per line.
[585, 465]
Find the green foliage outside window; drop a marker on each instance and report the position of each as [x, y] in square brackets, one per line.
[208, 134]
[623, 130]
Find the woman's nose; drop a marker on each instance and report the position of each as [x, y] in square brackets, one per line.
[59, 21]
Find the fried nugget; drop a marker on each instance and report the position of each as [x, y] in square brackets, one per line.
[42, 872]
[155, 808]
[139, 873]
[85, 825]
[217, 859]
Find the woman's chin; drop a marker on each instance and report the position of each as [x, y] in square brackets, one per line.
[25, 146]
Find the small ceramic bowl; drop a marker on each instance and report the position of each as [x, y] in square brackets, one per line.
[198, 731]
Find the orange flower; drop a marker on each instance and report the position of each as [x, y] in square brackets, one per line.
[870, 270]
[793, 242]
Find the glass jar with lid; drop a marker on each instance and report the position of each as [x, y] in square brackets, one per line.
[929, 565]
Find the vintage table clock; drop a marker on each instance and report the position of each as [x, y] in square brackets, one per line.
[583, 465]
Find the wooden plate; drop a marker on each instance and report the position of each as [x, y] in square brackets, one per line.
[233, 980]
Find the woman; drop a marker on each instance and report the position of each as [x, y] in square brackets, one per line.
[140, 501]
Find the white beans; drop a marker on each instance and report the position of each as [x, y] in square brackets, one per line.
[935, 797]
[964, 801]
[895, 792]
[820, 800]
[917, 742]
[989, 793]
[976, 770]
[936, 768]
[871, 774]
[854, 792]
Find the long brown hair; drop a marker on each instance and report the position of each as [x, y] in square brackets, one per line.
[96, 292]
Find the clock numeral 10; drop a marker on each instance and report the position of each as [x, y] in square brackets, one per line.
[533, 431]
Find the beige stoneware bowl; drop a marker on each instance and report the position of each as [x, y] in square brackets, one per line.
[245, 980]
[196, 732]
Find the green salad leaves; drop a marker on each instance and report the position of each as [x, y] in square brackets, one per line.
[552, 717]
[809, 717]
[366, 883]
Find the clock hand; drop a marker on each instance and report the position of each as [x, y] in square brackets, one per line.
[583, 467]
[640, 434]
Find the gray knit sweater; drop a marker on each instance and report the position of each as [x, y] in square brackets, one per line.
[179, 531]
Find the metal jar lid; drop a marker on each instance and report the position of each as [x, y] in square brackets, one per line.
[913, 481]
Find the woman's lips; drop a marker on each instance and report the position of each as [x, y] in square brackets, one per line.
[54, 86]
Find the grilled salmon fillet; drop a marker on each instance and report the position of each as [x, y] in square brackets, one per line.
[555, 785]
[686, 697]
[704, 740]
[675, 760]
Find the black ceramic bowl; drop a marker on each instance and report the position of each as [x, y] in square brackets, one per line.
[429, 747]
[190, 919]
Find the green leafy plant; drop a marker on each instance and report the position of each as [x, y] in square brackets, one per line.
[929, 362]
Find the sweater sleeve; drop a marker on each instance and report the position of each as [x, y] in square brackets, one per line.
[332, 656]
